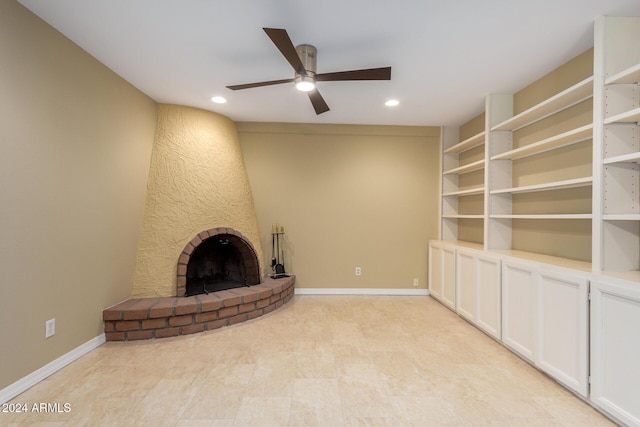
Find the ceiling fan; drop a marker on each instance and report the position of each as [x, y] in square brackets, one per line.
[303, 60]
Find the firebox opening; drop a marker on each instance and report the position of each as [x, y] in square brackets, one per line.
[217, 264]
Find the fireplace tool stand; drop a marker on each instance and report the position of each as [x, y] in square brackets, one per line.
[277, 252]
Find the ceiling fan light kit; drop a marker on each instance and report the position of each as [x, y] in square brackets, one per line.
[303, 59]
[305, 83]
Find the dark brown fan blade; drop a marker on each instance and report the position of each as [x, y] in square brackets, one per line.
[281, 39]
[318, 102]
[383, 73]
[250, 85]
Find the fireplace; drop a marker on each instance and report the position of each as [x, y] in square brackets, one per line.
[215, 260]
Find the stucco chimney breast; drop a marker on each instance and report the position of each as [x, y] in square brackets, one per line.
[197, 181]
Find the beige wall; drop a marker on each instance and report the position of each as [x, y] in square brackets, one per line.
[347, 196]
[198, 181]
[76, 143]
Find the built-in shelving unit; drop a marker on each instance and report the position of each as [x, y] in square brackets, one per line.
[510, 146]
[463, 182]
[617, 154]
[499, 165]
[566, 166]
[501, 193]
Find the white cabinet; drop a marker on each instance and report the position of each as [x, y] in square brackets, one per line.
[519, 303]
[448, 296]
[466, 285]
[442, 273]
[488, 295]
[615, 348]
[478, 290]
[563, 328]
[545, 319]
[537, 306]
[435, 271]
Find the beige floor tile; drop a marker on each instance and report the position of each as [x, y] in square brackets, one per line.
[372, 422]
[364, 401]
[197, 423]
[164, 404]
[315, 363]
[572, 412]
[263, 412]
[273, 377]
[375, 361]
[212, 399]
[421, 411]
[110, 412]
[316, 403]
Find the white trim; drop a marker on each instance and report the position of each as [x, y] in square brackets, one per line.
[50, 368]
[360, 291]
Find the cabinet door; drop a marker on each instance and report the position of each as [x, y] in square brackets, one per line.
[563, 329]
[435, 271]
[449, 277]
[488, 316]
[615, 349]
[518, 308]
[466, 285]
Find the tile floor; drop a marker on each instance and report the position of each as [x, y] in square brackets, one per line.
[375, 361]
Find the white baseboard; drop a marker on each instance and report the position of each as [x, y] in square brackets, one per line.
[50, 368]
[360, 291]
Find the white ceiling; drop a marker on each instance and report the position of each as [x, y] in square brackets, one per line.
[446, 55]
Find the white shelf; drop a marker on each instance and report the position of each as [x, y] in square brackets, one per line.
[621, 217]
[542, 216]
[630, 75]
[471, 167]
[631, 116]
[573, 136]
[557, 185]
[625, 158]
[463, 216]
[468, 192]
[561, 101]
[467, 144]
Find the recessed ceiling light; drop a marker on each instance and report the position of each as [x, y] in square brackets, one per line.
[218, 100]
[392, 103]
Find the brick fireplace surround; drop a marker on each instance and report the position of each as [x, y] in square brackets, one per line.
[146, 318]
[247, 251]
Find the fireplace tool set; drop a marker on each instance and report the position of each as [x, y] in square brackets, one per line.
[277, 252]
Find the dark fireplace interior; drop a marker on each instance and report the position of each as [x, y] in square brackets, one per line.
[223, 261]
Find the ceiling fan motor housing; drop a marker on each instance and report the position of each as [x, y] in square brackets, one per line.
[307, 54]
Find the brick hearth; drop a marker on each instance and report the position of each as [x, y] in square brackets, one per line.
[146, 318]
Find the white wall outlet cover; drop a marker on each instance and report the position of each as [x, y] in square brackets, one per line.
[50, 328]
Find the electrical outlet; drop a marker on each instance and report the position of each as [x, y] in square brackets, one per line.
[416, 282]
[49, 328]
[358, 271]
